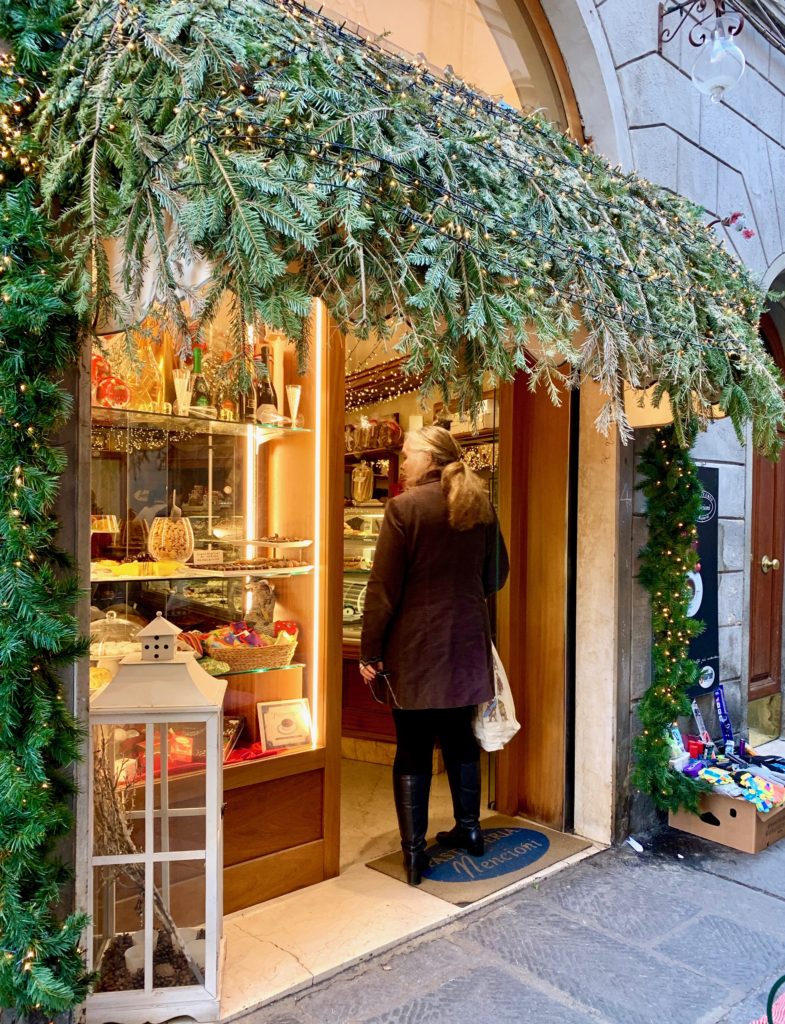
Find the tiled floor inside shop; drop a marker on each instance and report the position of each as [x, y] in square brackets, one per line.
[290, 942]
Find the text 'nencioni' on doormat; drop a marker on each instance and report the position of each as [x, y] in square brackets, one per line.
[514, 849]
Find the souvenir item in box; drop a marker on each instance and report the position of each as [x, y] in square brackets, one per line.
[134, 533]
[284, 723]
[362, 482]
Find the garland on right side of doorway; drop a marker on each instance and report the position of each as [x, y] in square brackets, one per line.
[672, 490]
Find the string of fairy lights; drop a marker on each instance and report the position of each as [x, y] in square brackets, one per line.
[248, 128]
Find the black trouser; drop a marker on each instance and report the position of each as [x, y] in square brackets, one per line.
[417, 731]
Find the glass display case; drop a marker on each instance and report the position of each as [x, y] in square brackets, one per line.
[208, 513]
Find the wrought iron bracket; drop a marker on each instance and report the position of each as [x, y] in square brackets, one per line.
[699, 12]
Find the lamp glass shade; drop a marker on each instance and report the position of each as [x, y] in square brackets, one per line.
[720, 63]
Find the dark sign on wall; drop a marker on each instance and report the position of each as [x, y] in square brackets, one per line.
[705, 649]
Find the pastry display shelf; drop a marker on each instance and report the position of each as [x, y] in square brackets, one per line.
[356, 572]
[202, 574]
[363, 512]
[374, 453]
[264, 542]
[129, 419]
[361, 536]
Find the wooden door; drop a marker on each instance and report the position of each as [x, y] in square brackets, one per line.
[768, 542]
[532, 613]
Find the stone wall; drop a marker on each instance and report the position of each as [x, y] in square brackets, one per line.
[724, 157]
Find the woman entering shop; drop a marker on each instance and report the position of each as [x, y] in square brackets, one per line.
[426, 641]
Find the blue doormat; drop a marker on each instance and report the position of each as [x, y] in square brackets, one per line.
[514, 849]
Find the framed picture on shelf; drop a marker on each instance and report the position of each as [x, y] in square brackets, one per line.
[284, 723]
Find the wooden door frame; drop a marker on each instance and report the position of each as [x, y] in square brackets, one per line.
[534, 621]
[774, 343]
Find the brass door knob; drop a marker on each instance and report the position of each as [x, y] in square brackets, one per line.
[767, 563]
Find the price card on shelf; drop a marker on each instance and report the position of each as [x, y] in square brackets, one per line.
[208, 556]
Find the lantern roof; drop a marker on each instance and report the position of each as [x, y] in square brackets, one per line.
[159, 627]
[179, 685]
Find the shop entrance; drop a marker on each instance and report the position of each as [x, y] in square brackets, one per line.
[381, 404]
[521, 447]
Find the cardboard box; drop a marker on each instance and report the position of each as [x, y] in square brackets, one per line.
[732, 822]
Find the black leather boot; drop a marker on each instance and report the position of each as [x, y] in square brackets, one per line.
[465, 787]
[411, 804]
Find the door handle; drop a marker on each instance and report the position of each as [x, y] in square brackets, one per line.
[767, 563]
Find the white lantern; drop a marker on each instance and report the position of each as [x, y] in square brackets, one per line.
[156, 750]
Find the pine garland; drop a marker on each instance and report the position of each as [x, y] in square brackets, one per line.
[673, 500]
[42, 968]
[302, 160]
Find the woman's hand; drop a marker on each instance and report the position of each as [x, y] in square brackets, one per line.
[368, 670]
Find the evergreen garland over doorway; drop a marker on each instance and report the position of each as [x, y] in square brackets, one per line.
[299, 160]
[302, 160]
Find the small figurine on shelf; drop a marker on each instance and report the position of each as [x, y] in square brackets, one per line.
[134, 532]
[262, 611]
[362, 483]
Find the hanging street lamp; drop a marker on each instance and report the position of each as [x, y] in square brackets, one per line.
[715, 24]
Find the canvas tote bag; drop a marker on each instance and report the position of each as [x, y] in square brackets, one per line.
[494, 721]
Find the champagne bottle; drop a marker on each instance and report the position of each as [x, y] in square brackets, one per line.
[263, 384]
[200, 391]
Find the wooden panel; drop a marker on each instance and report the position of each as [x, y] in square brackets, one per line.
[332, 524]
[247, 690]
[363, 717]
[532, 609]
[266, 877]
[266, 769]
[271, 816]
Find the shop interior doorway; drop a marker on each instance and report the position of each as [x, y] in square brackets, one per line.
[381, 404]
[521, 446]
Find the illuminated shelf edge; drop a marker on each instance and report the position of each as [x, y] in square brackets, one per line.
[256, 671]
[209, 574]
[128, 419]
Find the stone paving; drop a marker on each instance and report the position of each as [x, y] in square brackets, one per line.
[685, 933]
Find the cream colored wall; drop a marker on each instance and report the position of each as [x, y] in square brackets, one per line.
[597, 617]
[488, 43]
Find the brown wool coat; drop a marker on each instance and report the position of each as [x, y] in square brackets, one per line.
[426, 616]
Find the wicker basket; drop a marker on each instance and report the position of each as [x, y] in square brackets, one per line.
[241, 658]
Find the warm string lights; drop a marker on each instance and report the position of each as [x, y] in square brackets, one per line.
[673, 500]
[392, 189]
[42, 965]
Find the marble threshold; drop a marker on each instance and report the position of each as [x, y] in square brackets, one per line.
[294, 941]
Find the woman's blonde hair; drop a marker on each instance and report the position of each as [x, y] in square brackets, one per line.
[467, 498]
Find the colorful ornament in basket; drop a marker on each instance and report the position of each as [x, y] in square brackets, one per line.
[246, 648]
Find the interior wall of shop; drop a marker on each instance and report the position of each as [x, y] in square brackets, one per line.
[724, 157]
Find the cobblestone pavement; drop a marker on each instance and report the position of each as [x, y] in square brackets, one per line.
[685, 933]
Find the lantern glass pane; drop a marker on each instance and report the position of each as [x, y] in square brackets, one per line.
[118, 927]
[180, 790]
[118, 789]
[179, 920]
